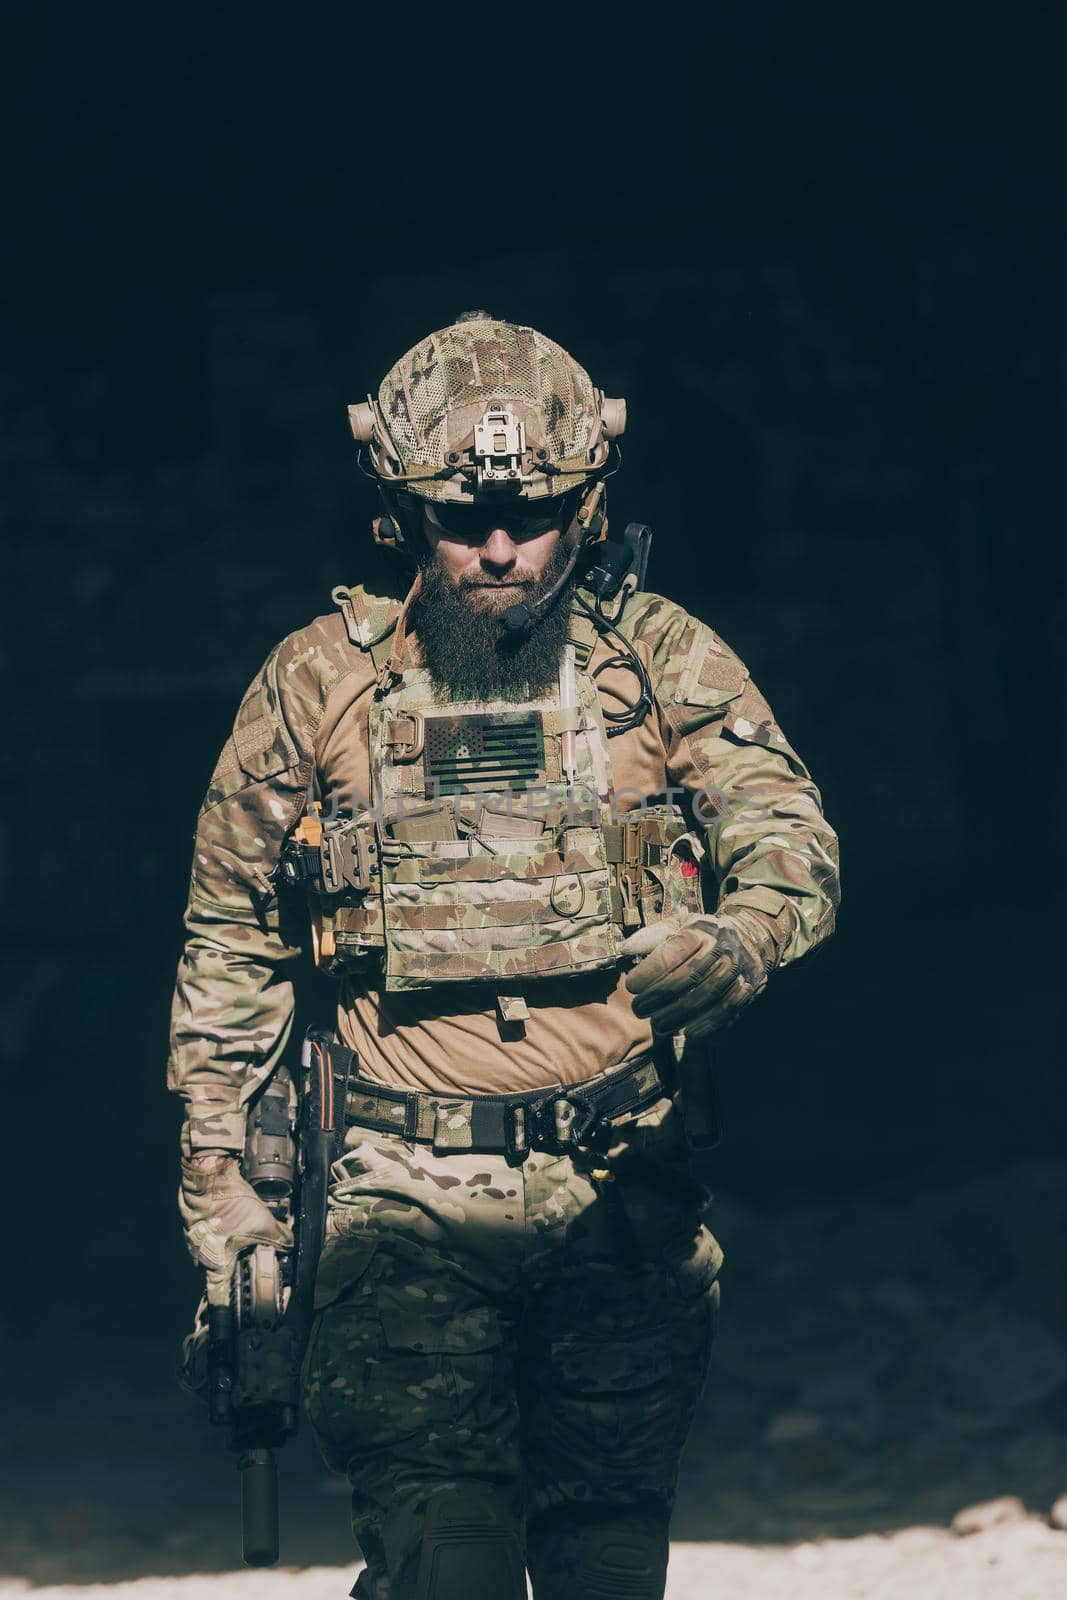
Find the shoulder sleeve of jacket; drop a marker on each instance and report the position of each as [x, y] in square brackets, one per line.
[232, 1012]
[769, 845]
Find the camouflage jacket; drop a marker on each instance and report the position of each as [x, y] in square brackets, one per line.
[768, 843]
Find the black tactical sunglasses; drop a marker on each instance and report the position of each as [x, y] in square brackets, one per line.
[522, 519]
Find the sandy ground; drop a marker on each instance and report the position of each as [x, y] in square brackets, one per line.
[1018, 1560]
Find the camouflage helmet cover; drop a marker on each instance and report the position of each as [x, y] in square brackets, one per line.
[421, 431]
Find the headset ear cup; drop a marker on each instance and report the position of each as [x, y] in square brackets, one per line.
[387, 532]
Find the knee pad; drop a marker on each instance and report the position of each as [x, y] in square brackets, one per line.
[621, 1561]
[471, 1548]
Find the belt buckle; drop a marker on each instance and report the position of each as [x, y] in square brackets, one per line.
[582, 1119]
[560, 1120]
[527, 1126]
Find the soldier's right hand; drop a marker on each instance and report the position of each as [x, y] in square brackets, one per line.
[222, 1215]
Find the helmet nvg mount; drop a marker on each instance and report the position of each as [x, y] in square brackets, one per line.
[485, 409]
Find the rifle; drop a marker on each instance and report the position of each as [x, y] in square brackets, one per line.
[255, 1344]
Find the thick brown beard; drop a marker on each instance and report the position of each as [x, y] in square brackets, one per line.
[469, 654]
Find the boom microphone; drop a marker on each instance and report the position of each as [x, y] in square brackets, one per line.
[520, 616]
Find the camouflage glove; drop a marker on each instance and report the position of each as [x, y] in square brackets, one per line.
[221, 1214]
[698, 972]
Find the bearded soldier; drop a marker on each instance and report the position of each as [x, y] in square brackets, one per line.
[547, 834]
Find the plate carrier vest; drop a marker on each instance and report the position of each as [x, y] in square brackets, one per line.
[481, 860]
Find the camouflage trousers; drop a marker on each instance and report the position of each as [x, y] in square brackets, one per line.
[543, 1329]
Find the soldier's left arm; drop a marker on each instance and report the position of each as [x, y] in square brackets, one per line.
[771, 849]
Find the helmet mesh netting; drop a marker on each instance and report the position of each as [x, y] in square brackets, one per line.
[434, 394]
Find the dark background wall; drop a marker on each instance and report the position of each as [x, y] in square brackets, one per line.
[822, 256]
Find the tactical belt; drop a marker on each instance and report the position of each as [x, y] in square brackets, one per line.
[553, 1118]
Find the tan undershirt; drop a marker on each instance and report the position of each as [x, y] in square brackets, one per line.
[446, 1039]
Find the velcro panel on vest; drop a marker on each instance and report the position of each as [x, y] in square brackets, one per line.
[490, 913]
[529, 961]
[465, 868]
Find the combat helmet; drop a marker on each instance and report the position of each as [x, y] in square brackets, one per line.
[485, 411]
